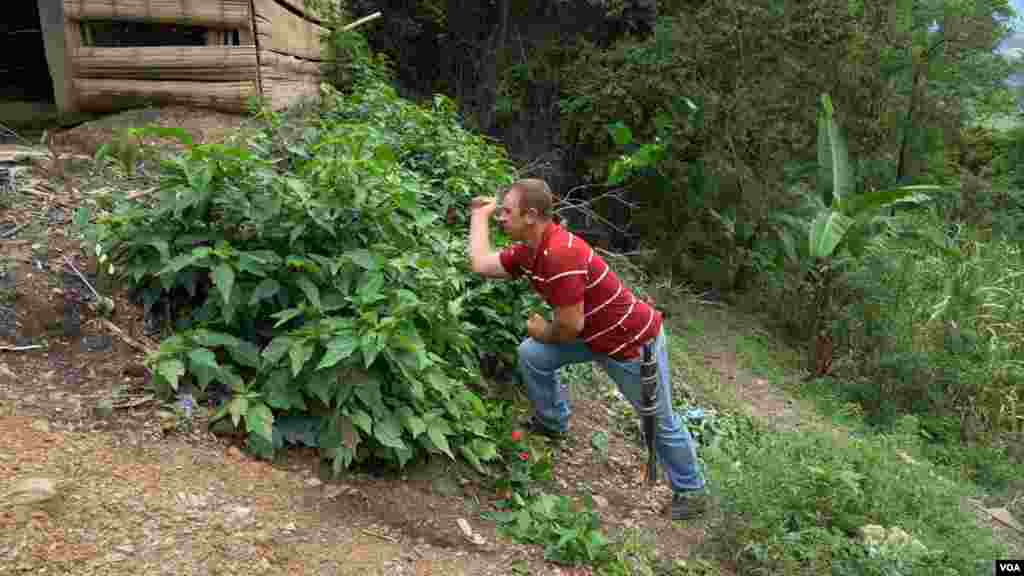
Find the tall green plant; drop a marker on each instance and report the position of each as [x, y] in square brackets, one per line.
[844, 224]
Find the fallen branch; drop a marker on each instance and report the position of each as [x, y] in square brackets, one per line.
[20, 348]
[127, 339]
[13, 231]
[133, 403]
[380, 535]
[103, 303]
[141, 193]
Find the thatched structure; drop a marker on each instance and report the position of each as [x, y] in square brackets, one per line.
[109, 54]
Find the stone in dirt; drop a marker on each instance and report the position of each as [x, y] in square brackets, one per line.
[97, 342]
[1003, 515]
[31, 495]
[8, 321]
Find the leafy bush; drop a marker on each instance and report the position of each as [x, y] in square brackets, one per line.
[798, 503]
[320, 269]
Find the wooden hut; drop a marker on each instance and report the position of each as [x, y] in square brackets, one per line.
[105, 55]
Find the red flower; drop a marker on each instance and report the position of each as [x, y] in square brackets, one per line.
[524, 456]
[517, 435]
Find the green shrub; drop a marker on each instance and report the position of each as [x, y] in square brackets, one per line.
[322, 271]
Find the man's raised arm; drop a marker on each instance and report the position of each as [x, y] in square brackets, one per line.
[483, 259]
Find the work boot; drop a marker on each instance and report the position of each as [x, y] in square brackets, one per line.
[688, 504]
[537, 426]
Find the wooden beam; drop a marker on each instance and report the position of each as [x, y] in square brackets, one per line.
[282, 31]
[51, 19]
[199, 63]
[229, 14]
[108, 95]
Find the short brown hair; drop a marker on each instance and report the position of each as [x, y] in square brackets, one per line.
[535, 194]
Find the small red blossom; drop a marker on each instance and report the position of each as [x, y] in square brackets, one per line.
[517, 435]
[524, 456]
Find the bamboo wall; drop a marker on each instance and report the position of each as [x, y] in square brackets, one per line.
[278, 55]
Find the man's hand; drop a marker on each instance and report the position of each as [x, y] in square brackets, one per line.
[537, 327]
[484, 206]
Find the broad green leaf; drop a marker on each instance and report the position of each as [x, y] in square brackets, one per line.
[362, 258]
[171, 370]
[413, 423]
[388, 431]
[238, 407]
[285, 315]
[620, 133]
[260, 420]
[854, 205]
[310, 290]
[321, 385]
[484, 449]
[180, 262]
[300, 354]
[162, 247]
[370, 346]
[266, 289]
[276, 350]
[835, 176]
[245, 353]
[338, 349]
[472, 458]
[203, 363]
[214, 339]
[224, 278]
[368, 390]
[363, 421]
[203, 357]
[247, 263]
[277, 390]
[437, 431]
[827, 231]
[231, 379]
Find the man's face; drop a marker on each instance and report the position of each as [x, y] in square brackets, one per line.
[513, 220]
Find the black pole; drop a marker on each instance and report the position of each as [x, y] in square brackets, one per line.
[649, 408]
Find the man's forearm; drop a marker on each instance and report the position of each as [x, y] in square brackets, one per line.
[479, 238]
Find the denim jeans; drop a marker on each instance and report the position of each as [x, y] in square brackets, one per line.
[539, 364]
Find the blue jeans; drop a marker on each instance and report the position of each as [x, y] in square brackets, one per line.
[539, 364]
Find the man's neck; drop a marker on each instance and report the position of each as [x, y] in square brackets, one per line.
[536, 235]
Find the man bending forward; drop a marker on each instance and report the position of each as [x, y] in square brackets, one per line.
[596, 318]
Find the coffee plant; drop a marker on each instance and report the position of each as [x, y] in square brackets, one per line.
[319, 269]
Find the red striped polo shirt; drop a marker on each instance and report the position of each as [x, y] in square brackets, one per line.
[564, 270]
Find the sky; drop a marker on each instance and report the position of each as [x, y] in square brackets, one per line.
[1017, 40]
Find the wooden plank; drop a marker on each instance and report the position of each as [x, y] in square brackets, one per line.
[220, 63]
[272, 61]
[213, 13]
[282, 31]
[106, 95]
[283, 92]
[51, 19]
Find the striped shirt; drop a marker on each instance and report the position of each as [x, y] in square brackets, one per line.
[565, 270]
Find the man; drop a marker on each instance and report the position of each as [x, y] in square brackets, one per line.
[596, 318]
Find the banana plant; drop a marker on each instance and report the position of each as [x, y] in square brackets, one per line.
[845, 221]
[847, 216]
